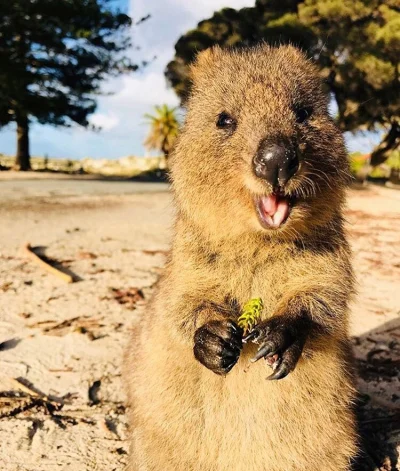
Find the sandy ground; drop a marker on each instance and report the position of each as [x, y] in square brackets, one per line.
[61, 345]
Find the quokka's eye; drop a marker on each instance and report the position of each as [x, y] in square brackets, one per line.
[225, 121]
[302, 114]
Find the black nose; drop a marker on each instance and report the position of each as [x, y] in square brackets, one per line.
[275, 163]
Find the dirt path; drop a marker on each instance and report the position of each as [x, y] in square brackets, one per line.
[64, 342]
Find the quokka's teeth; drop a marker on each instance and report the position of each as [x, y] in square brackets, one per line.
[269, 204]
[282, 212]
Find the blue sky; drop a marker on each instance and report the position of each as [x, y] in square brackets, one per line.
[121, 114]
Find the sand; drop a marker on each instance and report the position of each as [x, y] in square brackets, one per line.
[61, 345]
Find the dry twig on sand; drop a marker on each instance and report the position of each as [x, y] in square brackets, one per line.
[80, 324]
[26, 397]
[34, 257]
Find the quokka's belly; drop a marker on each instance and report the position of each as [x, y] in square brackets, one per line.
[188, 418]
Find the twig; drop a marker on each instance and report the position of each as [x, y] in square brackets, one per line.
[22, 386]
[32, 255]
[21, 408]
[32, 398]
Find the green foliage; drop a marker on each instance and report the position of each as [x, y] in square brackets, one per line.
[251, 314]
[359, 165]
[53, 57]
[164, 127]
[378, 173]
[361, 169]
[356, 43]
[360, 57]
[394, 160]
[272, 21]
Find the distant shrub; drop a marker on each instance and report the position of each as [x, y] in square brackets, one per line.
[379, 172]
[394, 160]
[359, 165]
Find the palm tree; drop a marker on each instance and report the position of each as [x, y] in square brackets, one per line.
[164, 127]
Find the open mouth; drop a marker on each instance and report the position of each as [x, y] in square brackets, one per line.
[273, 210]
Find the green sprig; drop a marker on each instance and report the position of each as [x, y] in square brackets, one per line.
[251, 314]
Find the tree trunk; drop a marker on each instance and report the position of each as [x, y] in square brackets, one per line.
[164, 147]
[23, 159]
[390, 143]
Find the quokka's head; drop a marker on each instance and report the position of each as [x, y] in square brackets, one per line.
[258, 152]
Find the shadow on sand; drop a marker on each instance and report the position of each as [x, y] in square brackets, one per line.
[378, 365]
[149, 176]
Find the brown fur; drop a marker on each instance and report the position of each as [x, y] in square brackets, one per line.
[183, 416]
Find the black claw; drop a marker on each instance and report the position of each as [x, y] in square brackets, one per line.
[235, 343]
[251, 336]
[281, 372]
[228, 364]
[233, 326]
[237, 331]
[267, 349]
[283, 336]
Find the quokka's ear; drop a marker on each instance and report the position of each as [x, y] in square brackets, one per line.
[204, 61]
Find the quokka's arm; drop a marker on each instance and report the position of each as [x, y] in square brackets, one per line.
[210, 329]
[315, 303]
[204, 311]
[200, 315]
[194, 295]
[321, 290]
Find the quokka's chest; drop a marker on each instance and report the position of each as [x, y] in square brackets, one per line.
[268, 278]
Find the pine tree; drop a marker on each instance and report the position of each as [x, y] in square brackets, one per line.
[54, 56]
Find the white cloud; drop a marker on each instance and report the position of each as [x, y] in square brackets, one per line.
[147, 89]
[105, 121]
[205, 8]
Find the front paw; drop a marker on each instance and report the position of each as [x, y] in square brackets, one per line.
[217, 345]
[281, 341]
